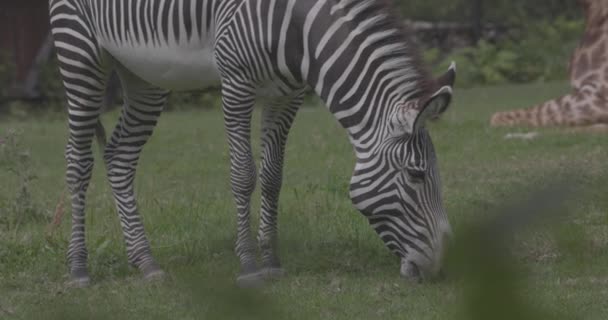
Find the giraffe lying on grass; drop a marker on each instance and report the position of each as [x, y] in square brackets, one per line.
[586, 107]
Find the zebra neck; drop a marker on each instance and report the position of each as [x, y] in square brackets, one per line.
[359, 61]
[363, 108]
[365, 121]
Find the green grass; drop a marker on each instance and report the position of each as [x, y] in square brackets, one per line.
[337, 267]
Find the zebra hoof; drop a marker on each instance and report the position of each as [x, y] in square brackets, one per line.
[79, 282]
[79, 278]
[272, 273]
[153, 273]
[155, 276]
[411, 272]
[250, 280]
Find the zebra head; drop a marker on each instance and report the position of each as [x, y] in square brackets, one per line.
[398, 188]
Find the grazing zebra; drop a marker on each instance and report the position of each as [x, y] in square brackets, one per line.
[352, 53]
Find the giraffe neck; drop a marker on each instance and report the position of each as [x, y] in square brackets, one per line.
[587, 104]
[589, 62]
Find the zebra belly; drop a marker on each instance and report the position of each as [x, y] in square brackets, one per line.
[175, 68]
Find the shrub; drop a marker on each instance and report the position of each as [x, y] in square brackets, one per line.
[17, 206]
[539, 52]
[51, 86]
[194, 100]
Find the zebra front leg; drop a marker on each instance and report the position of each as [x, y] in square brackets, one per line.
[238, 102]
[276, 123]
[143, 105]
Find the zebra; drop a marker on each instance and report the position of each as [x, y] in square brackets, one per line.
[354, 54]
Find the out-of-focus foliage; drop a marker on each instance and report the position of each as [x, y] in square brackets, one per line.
[539, 52]
[51, 85]
[539, 38]
[497, 11]
[194, 100]
[7, 70]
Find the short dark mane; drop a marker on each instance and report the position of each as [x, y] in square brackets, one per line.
[395, 20]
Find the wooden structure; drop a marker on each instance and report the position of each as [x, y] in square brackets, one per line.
[25, 38]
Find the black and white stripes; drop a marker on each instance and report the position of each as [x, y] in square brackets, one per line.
[352, 53]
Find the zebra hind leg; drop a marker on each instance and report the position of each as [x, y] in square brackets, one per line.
[84, 72]
[83, 116]
[143, 105]
[277, 119]
[238, 102]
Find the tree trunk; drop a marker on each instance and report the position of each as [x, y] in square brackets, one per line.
[477, 17]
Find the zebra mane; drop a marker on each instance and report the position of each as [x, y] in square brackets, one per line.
[406, 55]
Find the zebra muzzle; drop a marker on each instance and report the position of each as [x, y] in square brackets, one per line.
[410, 271]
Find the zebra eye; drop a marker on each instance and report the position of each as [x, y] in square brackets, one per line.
[416, 175]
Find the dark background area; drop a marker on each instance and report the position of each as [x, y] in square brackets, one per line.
[492, 41]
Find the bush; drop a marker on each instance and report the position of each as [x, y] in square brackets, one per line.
[511, 12]
[17, 206]
[546, 48]
[194, 100]
[539, 52]
[481, 65]
[51, 86]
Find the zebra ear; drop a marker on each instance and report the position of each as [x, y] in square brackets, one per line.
[433, 106]
[448, 78]
[413, 114]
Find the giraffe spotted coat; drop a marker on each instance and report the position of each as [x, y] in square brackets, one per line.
[587, 105]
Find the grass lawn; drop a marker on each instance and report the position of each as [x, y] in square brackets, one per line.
[337, 266]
